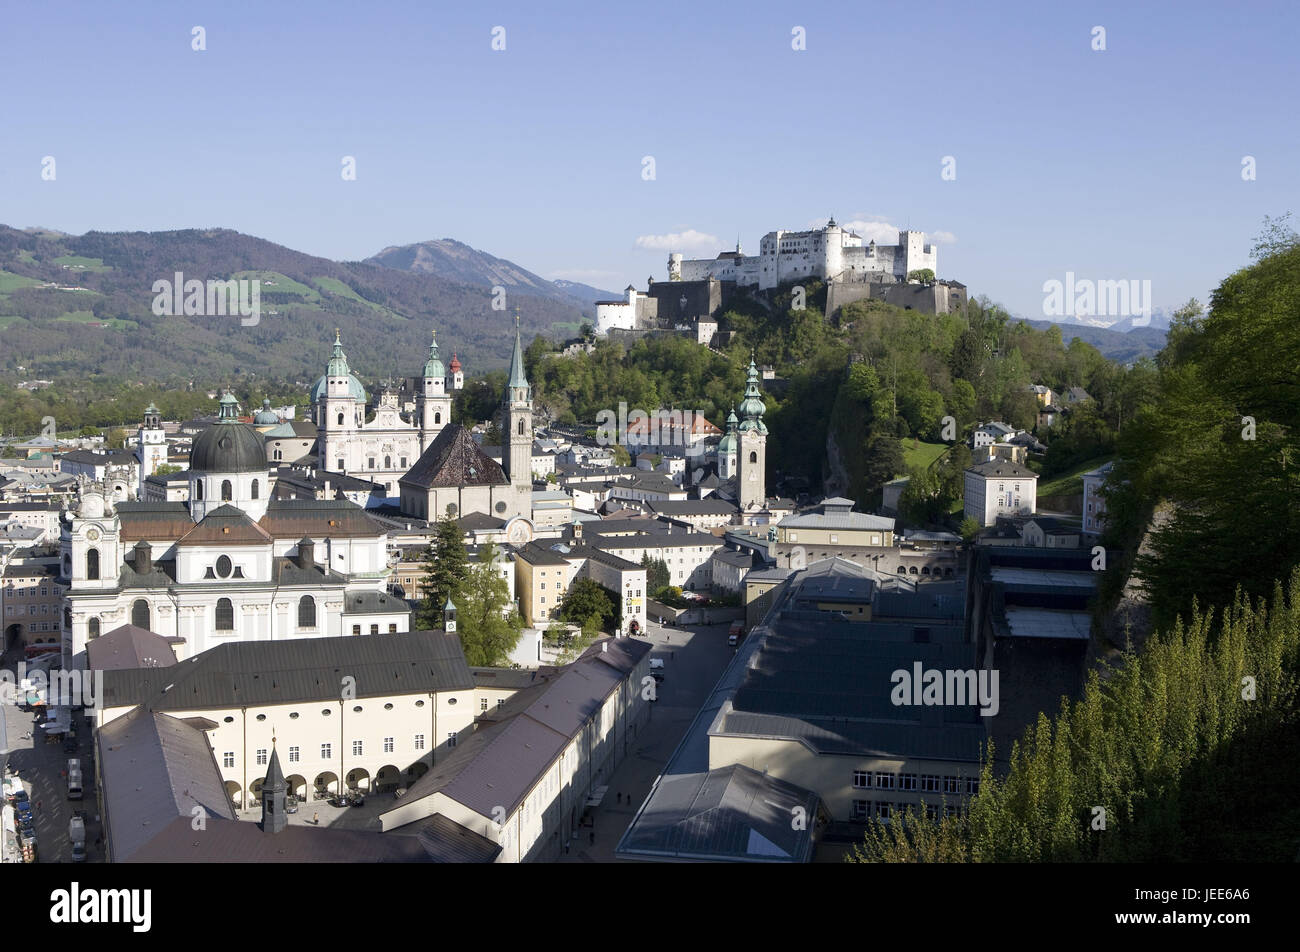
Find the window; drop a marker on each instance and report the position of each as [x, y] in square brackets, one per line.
[92, 564]
[907, 781]
[356, 629]
[973, 786]
[94, 628]
[358, 748]
[500, 701]
[883, 810]
[521, 426]
[340, 465]
[753, 457]
[929, 783]
[198, 489]
[371, 462]
[227, 491]
[225, 615]
[392, 628]
[325, 751]
[950, 784]
[223, 566]
[403, 462]
[419, 742]
[261, 756]
[140, 613]
[861, 778]
[388, 745]
[228, 759]
[451, 739]
[388, 462]
[340, 419]
[306, 612]
[295, 753]
[374, 629]
[255, 489]
[885, 781]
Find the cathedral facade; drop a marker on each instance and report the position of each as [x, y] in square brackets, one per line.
[406, 419]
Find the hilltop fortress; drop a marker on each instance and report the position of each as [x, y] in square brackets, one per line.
[697, 291]
[830, 253]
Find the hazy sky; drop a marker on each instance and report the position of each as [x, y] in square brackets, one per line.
[1119, 164]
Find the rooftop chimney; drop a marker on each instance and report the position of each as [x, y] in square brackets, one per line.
[306, 553]
[143, 558]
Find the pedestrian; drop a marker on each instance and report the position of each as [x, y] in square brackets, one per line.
[315, 819]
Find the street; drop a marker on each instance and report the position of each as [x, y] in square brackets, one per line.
[693, 660]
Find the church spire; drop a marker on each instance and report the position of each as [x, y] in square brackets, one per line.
[517, 377]
[274, 791]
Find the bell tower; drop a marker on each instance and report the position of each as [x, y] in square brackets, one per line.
[435, 402]
[751, 454]
[517, 415]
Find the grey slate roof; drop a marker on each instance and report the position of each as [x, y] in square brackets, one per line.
[1003, 468]
[454, 459]
[129, 647]
[154, 769]
[299, 670]
[692, 507]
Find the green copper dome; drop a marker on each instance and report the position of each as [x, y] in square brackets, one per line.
[433, 366]
[338, 367]
[266, 416]
[752, 407]
[728, 443]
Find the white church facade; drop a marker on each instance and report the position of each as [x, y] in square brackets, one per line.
[230, 564]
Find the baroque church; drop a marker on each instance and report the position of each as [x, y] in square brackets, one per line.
[407, 418]
[231, 563]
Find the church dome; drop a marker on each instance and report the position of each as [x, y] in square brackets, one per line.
[266, 416]
[228, 446]
[338, 367]
[433, 366]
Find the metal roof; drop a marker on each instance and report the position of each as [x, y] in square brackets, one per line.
[296, 671]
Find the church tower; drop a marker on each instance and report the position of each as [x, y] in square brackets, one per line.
[274, 790]
[151, 446]
[435, 402]
[517, 416]
[751, 454]
[339, 409]
[727, 448]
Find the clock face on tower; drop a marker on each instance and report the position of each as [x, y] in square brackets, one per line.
[92, 534]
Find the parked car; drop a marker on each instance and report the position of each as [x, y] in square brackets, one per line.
[70, 743]
[291, 804]
[22, 805]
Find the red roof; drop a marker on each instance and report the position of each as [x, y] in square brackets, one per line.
[455, 362]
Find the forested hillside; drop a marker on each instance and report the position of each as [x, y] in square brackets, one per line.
[78, 310]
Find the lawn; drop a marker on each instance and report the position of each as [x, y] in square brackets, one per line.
[79, 263]
[917, 453]
[12, 282]
[274, 282]
[1071, 482]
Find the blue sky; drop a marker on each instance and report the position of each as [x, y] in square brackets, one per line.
[1120, 164]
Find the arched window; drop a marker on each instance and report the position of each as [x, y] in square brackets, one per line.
[92, 564]
[437, 418]
[198, 489]
[902, 570]
[225, 615]
[521, 426]
[94, 628]
[227, 491]
[753, 457]
[255, 489]
[306, 612]
[388, 462]
[340, 419]
[913, 570]
[140, 613]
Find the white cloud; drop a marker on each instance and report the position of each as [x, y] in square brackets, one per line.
[882, 231]
[683, 241]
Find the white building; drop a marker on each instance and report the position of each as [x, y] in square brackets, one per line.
[230, 564]
[1094, 500]
[999, 488]
[827, 253]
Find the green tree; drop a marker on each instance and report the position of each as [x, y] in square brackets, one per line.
[657, 575]
[488, 624]
[970, 528]
[166, 469]
[446, 568]
[923, 275]
[587, 603]
[621, 456]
